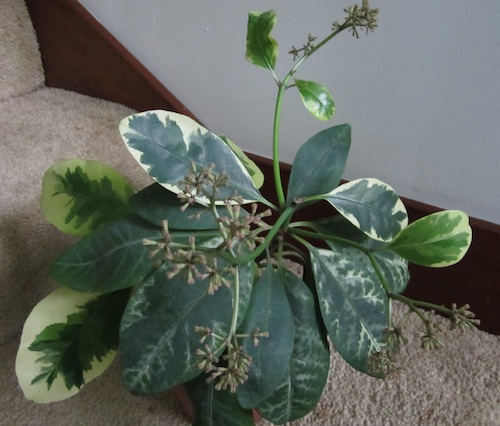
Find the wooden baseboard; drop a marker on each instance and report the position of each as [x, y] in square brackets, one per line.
[79, 54]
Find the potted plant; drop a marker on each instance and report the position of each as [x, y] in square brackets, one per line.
[188, 278]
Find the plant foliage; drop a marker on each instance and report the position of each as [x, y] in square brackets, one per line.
[214, 304]
[79, 195]
[69, 339]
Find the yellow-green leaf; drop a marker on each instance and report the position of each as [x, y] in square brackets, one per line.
[80, 195]
[437, 240]
[262, 49]
[252, 168]
[69, 339]
[316, 98]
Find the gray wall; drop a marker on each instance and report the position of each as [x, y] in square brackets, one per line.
[422, 92]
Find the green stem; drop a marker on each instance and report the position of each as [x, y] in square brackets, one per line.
[318, 46]
[323, 237]
[412, 305]
[280, 252]
[271, 234]
[236, 282]
[276, 146]
[236, 303]
[282, 86]
[418, 303]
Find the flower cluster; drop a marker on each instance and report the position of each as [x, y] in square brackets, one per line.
[382, 364]
[189, 261]
[232, 372]
[186, 261]
[235, 372]
[159, 247]
[395, 337]
[242, 228]
[462, 318]
[306, 48]
[232, 369]
[216, 276]
[202, 182]
[431, 338]
[359, 17]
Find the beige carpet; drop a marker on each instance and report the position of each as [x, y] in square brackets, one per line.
[458, 385]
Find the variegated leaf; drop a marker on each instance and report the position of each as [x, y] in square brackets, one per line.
[216, 407]
[262, 49]
[437, 240]
[372, 206]
[316, 98]
[339, 226]
[393, 266]
[158, 342]
[78, 196]
[395, 270]
[69, 339]
[269, 311]
[168, 144]
[303, 383]
[353, 303]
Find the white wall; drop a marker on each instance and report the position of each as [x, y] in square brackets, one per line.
[422, 92]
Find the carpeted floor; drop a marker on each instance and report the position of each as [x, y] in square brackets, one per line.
[458, 385]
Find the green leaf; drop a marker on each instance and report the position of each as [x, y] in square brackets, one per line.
[252, 168]
[68, 339]
[437, 240]
[320, 163]
[214, 408]
[111, 258]
[339, 226]
[303, 383]
[262, 49]
[316, 98]
[353, 303]
[167, 144]
[269, 311]
[158, 342]
[156, 204]
[79, 195]
[372, 206]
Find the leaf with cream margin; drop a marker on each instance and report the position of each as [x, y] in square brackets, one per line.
[438, 240]
[370, 205]
[69, 339]
[167, 145]
[80, 195]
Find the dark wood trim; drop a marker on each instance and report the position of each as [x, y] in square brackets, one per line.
[80, 55]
